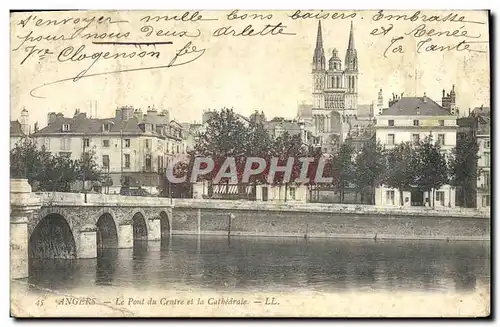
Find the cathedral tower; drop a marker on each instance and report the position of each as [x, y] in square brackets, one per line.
[351, 74]
[319, 71]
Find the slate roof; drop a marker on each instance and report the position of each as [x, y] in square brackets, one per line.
[15, 128]
[415, 106]
[80, 124]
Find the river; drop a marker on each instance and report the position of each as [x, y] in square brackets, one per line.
[273, 265]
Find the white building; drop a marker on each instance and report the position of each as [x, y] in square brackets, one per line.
[483, 136]
[131, 149]
[409, 119]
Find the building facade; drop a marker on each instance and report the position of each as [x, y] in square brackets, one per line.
[481, 117]
[410, 119]
[131, 149]
[335, 91]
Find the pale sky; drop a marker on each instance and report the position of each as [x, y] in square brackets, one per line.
[270, 73]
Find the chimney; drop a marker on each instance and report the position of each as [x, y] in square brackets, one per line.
[51, 118]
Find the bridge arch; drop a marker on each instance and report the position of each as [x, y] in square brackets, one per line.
[107, 234]
[52, 238]
[140, 227]
[164, 225]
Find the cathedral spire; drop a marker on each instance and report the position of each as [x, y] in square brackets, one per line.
[351, 56]
[319, 61]
[351, 38]
[319, 37]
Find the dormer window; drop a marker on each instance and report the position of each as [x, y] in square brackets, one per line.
[106, 127]
[65, 127]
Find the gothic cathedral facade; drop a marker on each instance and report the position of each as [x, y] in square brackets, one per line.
[335, 88]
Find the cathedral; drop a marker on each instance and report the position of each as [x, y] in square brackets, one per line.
[335, 88]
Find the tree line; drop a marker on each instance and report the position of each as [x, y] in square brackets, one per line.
[407, 166]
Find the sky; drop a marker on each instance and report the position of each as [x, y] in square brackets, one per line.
[271, 73]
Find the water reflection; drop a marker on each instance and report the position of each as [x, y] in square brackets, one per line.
[106, 263]
[274, 264]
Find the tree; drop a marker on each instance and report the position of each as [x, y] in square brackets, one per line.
[26, 161]
[45, 171]
[400, 169]
[368, 168]
[343, 168]
[60, 173]
[431, 167]
[225, 136]
[260, 145]
[463, 165]
[88, 170]
[288, 146]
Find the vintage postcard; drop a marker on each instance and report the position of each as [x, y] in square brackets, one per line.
[238, 163]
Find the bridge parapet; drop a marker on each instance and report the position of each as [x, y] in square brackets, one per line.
[97, 199]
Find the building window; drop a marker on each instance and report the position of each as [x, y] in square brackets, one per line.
[391, 122]
[105, 143]
[390, 139]
[127, 143]
[127, 160]
[440, 197]
[487, 144]
[46, 143]
[148, 163]
[441, 122]
[65, 143]
[389, 197]
[65, 127]
[486, 179]
[441, 139]
[486, 200]
[416, 122]
[86, 143]
[106, 127]
[415, 138]
[177, 148]
[105, 161]
[487, 159]
[146, 144]
[292, 193]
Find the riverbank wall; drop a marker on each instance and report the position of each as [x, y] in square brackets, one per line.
[307, 220]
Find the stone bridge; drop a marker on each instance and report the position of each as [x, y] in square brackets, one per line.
[77, 225]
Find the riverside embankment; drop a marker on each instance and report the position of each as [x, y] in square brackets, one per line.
[246, 218]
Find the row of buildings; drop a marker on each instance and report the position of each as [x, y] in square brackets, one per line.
[134, 148]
